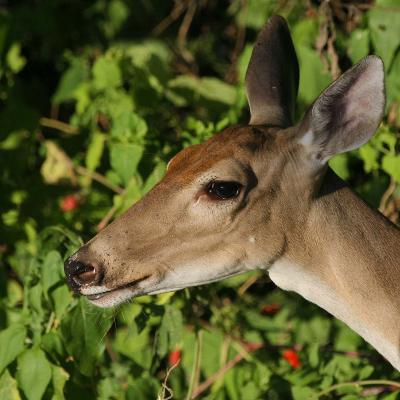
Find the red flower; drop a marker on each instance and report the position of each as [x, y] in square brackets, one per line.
[174, 357]
[69, 203]
[292, 358]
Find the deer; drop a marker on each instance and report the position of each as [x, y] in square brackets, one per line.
[262, 196]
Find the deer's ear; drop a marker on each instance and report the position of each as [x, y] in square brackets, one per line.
[272, 77]
[347, 113]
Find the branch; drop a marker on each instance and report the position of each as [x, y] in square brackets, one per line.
[165, 388]
[98, 178]
[59, 125]
[196, 367]
[357, 383]
[176, 12]
[386, 196]
[249, 282]
[183, 31]
[222, 371]
[107, 218]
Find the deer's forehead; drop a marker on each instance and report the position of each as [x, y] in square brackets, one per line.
[238, 144]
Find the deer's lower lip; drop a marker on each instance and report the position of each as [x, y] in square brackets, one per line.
[97, 296]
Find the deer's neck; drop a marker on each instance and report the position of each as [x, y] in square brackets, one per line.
[348, 264]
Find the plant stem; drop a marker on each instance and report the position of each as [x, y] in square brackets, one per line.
[107, 218]
[222, 371]
[196, 366]
[98, 178]
[357, 383]
[59, 125]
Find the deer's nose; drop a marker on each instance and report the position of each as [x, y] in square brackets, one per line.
[80, 274]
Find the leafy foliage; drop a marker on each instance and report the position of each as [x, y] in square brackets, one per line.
[96, 99]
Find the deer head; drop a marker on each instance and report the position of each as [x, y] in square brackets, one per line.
[241, 200]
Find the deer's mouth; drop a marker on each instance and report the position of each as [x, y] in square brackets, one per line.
[108, 298]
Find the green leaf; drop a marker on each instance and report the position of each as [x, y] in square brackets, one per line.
[358, 45]
[314, 77]
[14, 140]
[314, 330]
[134, 345]
[35, 300]
[391, 165]
[393, 84]
[110, 389]
[59, 378]
[369, 155]
[313, 355]
[170, 332]
[62, 298]
[34, 373]
[144, 53]
[155, 177]
[162, 340]
[83, 331]
[187, 89]
[346, 339]
[11, 344]
[14, 58]
[8, 387]
[143, 388]
[243, 62]
[385, 30]
[255, 14]
[52, 344]
[231, 384]
[210, 356]
[131, 195]
[366, 372]
[302, 393]
[340, 164]
[217, 90]
[385, 140]
[118, 12]
[124, 159]
[392, 396]
[250, 391]
[95, 151]
[70, 82]
[52, 271]
[304, 32]
[129, 127]
[106, 74]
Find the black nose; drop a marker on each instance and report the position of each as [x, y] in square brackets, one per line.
[79, 274]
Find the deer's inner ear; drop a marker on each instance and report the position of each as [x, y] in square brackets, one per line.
[272, 77]
[347, 113]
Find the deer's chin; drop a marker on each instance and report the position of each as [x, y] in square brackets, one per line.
[104, 297]
[111, 298]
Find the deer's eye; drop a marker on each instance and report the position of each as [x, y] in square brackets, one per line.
[222, 190]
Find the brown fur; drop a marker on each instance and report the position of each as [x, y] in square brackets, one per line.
[293, 217]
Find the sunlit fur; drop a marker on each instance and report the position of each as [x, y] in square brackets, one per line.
[294, 217]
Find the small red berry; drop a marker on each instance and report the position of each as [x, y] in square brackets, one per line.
[174, 357]
[270, 308]
[69, 203]
[292, 358]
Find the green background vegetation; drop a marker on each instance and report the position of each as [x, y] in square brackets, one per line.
[96, 98]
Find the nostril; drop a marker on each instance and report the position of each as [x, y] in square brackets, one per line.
[80, 274]
[85, 276]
